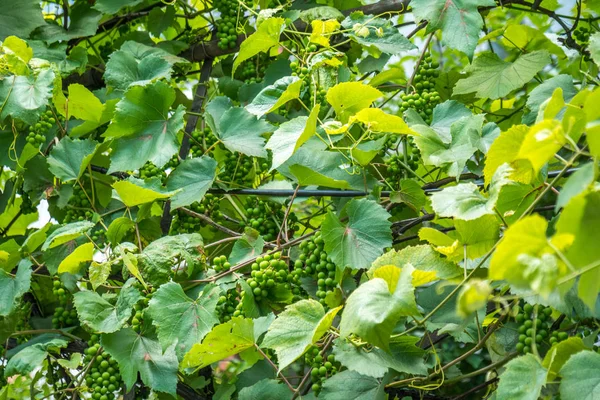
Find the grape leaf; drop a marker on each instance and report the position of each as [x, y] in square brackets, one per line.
[113, 6]
[544, 91]
[523, 379]
[134, 192]
[237, 129]
[159, 257]
[361, 240]
[422, 257]
[83, 21]
[225, 340]
[12, 288]
[465, 201]
[144, 127]
[69, 159]
[559, 354]
[101, 316]
[377, 35]
[19, 18]
[290, 135]
[180, 319]
[191, 179]
[378, 121]
[67, 233]
[118, 229]
[25, 97]
[374, 308]
[404, 356]
[83, 104]
[576, 184]
[410, 193]
[31, 357]
[580, 379]
[73, 261]
[124, 69]
[581, 218]
[248, 246]
[266, 389]
[276, 95]
[298, 327]
[265, 37]
[350, 385]
[348, 98]
[139, 354]
[459, 21]
[492, 78]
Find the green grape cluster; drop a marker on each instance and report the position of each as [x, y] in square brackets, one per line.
[582, 34]
[202, 140]
[314, 262]
[103, 378]
[535, 326]
[253, 70]
[395, 164]
[37, 132]
[27, 206]
[172, 163]
[266, 216]
[390, 143]
[209, 205]
[138, 318]
[64, 315]
[23, 314]
[80, 206]
[424, 98]
[238, 168]
[149, 170]
[269, 273]
[322, 368]
[230, 305]
[98, 235]
[231, 17]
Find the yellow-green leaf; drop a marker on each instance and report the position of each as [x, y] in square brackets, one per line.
[348, 98]
[378, 121]
[321, 30]
[265, 37]
[73, 261]
[133, 195]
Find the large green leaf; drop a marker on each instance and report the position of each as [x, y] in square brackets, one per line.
[25, 97]
[348, 98]
[361, 240]
[266, 389]
[580, 378]
[581, 218]
[375, 307]
[452, 138]
[290, 135]
[223, 341]
[69, 159]
[276, 95]
[67, 233]
[12, 288]
[191, 179]
[376, 34]
[83, 21]
[134, 191]
[100, 315]
[138, 64]
[404, 356]
[492, 77]
[31, 357]
[113, 6]
[139, 354]
[159, 257]
[145, 129]
[560, 353]
[298, 327]
[265, 37]
[350, 385]
[465, 201]
[19, 18]
[241, 131]
[523, 379]
[459, 20]
[180, 319]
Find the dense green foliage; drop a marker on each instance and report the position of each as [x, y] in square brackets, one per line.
[270, 199]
